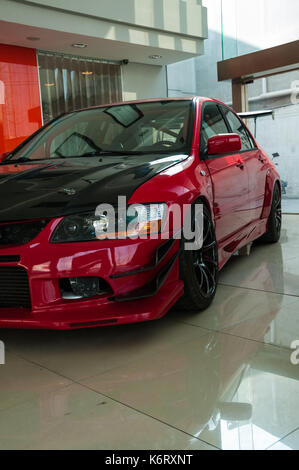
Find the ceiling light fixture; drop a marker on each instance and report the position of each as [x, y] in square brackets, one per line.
[155, 57]
[79, 45]
[33, 38]
[87, 73]
[49, 84]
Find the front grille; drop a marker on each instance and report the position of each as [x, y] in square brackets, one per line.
[9, 258]
[20, 233]
[14, 287]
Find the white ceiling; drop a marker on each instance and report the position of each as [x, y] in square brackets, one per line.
[59, 41]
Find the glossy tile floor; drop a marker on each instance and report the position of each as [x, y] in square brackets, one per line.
[222, 379]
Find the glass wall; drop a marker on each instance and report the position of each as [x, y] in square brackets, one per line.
[68, 83]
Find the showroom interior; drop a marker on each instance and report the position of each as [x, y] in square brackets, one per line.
[226, 378]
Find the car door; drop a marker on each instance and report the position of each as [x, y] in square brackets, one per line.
[255, 162]
[229, 176]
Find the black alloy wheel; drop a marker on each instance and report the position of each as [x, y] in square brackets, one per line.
[275, 219]
[199, 269]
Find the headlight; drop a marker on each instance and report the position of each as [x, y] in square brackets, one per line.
[138, 220]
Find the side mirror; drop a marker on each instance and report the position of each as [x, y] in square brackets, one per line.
[224, 144]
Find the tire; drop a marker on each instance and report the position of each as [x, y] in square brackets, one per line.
[275, 218]
[199, 270]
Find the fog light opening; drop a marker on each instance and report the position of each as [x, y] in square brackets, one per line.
[75, 288]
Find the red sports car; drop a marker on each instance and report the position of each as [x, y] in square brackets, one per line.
[59, 268]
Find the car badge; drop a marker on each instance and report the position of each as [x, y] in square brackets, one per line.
[68, 191]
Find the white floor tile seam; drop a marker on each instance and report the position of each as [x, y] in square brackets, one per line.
[59, 374]
[253, 289]
[168, 424]
[282, 439]
[204, 332]
[40, 366]
[131, 361]
[113, 400]
[226, 333]
[259, 290]
[284, 348]
[165, 423]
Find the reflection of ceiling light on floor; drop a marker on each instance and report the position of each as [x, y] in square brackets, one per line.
[155, 57]
[87, 73]
[49, 84]
[80, 45]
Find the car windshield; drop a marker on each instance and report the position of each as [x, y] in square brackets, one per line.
[139, 128]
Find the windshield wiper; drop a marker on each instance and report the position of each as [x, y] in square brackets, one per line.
[96, 153]
[24, 160]
[99, 153]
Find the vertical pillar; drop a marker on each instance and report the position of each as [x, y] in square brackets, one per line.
[240, 96]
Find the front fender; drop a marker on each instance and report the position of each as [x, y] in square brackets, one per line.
[181, 184]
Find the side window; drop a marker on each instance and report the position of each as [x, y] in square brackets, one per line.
[212, 124]
[253, 144]
[237, 127]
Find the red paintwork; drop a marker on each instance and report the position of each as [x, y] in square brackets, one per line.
[224, 143]
[237, 190]
[20, 112]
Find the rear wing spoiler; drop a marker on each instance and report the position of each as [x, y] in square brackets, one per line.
[256, 115]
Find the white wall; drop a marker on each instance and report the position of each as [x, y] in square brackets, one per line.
[179, 16]
[281, 135]
[143, 81]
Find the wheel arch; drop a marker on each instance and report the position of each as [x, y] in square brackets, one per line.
[204, 200]
[271, 182]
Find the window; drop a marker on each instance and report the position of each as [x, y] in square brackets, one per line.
[212, 124]
[157, 127]
[68, 83]
[237, 127]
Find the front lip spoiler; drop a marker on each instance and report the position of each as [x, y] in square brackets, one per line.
[153, 287]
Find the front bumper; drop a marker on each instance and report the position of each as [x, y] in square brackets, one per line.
[144, 281]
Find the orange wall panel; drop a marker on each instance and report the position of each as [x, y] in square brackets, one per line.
[20, 112]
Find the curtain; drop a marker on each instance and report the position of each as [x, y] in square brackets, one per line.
[70, 83]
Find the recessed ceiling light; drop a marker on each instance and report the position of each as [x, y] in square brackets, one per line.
[155, 57]
[33, 38]
[87, 73]
[49, 84]
[80, 45]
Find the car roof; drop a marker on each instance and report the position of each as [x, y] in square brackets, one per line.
[199, 99]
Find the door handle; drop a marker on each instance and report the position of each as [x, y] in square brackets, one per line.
[262, 159]
[240, 165]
